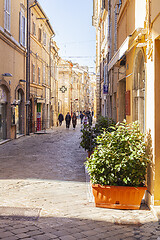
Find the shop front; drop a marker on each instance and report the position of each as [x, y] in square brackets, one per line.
[3, 113]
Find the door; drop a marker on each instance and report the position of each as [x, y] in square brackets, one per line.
[3, 121]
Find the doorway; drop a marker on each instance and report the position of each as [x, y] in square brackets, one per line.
[3, 121]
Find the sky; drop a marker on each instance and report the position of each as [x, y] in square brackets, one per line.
[72, 23]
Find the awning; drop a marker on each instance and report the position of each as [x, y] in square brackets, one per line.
[121, 51]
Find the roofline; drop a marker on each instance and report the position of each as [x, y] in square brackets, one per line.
[47, 20]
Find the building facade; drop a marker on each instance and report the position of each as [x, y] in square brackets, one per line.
[12, 68]
[54, 83]
[73, 87]
[132, 71]
[41, 35]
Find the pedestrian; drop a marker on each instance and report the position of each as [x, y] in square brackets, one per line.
[81, 117]
[60, 118]
[90, 119]
[92, 113]
[85, 119]
[74, 120]
[68, 120]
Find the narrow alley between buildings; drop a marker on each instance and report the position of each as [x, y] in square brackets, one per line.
[45, 194]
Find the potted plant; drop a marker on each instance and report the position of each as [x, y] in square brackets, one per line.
[89, 133]
[88, 137]
[117, 167]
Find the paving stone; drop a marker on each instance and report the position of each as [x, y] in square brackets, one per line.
[22, 235]
[35, 233]
[42, 237]
[61, 233]
[78, 235]
[19, 230]
[56, 184]
[6, 234]
[11, 238]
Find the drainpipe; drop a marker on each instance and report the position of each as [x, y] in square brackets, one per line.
[28, 66]
[27, 71]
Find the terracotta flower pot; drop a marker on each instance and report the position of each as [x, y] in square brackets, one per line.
[118, 196]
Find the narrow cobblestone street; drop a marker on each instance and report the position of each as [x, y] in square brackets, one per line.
[45, 194]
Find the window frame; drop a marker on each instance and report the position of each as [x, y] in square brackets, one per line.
[22, 28]
[7, 15]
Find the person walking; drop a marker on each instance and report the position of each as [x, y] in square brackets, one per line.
[68, 120]
[74, 120]
[90, 119]
[85, 119]
[81, 117]
[60, 118]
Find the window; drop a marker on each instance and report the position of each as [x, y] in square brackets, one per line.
[7, 14]
[44, 38]
[34, 29]
[39, 34]
[22, 29]
[33, 73]
[39, 76]
[44, 74]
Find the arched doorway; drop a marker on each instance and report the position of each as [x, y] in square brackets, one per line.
[3, 112]
[139, 90]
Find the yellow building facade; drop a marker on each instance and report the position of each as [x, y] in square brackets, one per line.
[73, 88]
[133, 58]
[54, 83]
[12, 68]
[41, 35]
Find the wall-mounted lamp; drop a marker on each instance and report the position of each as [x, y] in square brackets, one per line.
[7, 75]
[28, 102]
[22, 80]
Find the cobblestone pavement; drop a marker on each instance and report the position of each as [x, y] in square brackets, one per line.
[44, 194]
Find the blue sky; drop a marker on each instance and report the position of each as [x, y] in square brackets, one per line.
[72, 22]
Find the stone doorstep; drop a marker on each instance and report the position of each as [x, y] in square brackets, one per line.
[19, 213]
[19, 135]
[4, 141]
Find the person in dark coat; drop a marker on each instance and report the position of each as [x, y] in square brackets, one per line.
[74, 120]
[60, 118]
[68, 120]
[90, 119]
[81, 117]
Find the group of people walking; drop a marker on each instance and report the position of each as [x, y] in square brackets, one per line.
[86, 118]
[68, 119]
